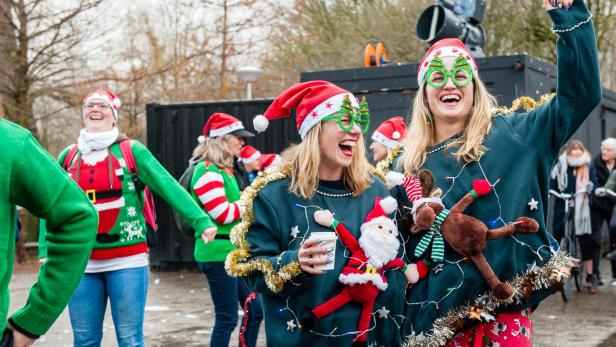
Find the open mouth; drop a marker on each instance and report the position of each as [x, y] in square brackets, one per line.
[96, 118]
[450, 99]
[347, 147]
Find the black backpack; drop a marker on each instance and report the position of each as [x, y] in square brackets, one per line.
[185, 180]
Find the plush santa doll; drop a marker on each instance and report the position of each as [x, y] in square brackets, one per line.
[374, 252]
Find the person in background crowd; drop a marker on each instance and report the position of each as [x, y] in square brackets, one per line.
[269, 161]
[29, 177]
[573, 174]
[249, 157]
[387, 137]
[215, 187]
[601, 207]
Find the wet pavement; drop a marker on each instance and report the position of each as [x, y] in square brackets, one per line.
[179, 313]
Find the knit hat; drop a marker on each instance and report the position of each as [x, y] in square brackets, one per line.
[312, 102]
[379, 213]
[269, 161]
[249, 154]
[390, 132]
[220, 124]
[107, 96]
[444, 48]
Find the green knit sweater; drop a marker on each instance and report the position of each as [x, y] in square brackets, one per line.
[130, 218]
[281, 221]
[521, 149]
[31, 178]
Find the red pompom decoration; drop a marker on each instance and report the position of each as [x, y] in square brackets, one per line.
[481, 187]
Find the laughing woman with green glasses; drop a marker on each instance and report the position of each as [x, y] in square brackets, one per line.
[276, 246]
[458, 133]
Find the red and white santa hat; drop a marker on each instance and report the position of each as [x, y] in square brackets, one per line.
[106, 96]
[452, 47]
[412, 186]
[390, 132]
[379, 213]
[312, 102]
[249, 154]
[269, 161]
[220, 124]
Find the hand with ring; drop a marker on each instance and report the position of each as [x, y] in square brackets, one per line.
[310, 254]
[552, 4]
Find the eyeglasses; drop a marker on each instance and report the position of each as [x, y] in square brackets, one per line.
[347, 117]
[461, 73]
[91, 105]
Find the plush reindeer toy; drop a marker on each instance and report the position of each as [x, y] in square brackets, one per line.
[466, 235]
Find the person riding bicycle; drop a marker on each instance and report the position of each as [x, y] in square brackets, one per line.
[571, 174]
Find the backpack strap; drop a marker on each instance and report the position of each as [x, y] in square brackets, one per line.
[69, 157]
[149, 211]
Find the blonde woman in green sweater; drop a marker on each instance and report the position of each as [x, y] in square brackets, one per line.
[216, 188]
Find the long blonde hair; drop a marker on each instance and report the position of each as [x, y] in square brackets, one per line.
[421, 131]
[215, 150]
[305, 157]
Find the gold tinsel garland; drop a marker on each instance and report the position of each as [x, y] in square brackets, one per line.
[543, 277]
[382, 167]
[237, 263]
[525, 102]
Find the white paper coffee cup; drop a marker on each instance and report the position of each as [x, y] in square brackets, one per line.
[328, 241]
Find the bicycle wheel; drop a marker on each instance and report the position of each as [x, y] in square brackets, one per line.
[567, 283]
[576, 271]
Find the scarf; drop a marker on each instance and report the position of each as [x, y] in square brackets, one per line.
[582, 201]
[90, 142]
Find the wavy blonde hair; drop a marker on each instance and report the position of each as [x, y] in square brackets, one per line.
[215, 150]
[305, 157]
[421, 131]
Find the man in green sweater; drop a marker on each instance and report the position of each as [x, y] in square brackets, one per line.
[31, 178]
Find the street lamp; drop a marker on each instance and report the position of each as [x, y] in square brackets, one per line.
[248, 74]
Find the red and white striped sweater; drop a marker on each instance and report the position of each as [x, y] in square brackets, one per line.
[210, 190]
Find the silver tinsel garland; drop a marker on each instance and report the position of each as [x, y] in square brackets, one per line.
[536, 278]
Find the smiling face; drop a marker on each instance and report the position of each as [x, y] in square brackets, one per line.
[98, 116]
[449, 102]
[337, 146]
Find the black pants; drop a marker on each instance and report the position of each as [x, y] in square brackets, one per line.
[597, 217]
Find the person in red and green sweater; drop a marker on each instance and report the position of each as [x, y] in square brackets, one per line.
[29, 177]
[278, 251]
[214, 185]
[118, 266]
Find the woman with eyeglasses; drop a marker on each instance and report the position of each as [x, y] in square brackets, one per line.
[118, 267]
[457, 133]
[278, 251]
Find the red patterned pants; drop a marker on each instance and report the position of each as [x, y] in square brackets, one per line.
[507, 330]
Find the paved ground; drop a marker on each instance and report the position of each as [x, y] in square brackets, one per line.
[180, 313]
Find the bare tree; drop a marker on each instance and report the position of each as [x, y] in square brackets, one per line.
[328, 34]
[40, 43]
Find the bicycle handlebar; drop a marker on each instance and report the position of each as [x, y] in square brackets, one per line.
[601, 192]
[567, 196]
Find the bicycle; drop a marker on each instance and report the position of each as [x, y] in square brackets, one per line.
[569, 243]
